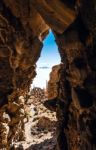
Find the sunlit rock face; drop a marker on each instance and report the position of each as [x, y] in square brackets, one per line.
[53, 87]
[53, 83]
[23, 26]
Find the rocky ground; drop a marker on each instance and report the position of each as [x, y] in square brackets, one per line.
[40, 127]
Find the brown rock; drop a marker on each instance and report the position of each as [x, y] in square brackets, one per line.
[53, 83]
[23, 26]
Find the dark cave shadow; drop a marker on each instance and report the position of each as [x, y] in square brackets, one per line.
[45, 144]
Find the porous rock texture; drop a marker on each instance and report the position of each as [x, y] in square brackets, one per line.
[23, 26]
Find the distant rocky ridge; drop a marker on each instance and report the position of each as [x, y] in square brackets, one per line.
[38, 93]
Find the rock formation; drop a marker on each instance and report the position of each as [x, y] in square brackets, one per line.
[53, 83]
[23, 26]
[38, 93]
[53, 88]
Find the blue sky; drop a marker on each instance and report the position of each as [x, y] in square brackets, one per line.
[49, 57]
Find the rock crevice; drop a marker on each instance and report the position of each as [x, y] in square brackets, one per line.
[23, 26]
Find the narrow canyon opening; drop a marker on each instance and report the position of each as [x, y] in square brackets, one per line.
[24, 122]
[49, 57]
[40, 121]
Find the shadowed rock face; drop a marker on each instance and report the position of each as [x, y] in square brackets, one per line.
[51, 104]
[23, 26]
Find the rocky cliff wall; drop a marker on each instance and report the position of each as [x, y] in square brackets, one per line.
[23, 26]
[20, 47]
[76, 110]
[53, 82]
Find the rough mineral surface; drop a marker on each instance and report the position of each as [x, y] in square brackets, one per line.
[39, 124]
[53, 83]
[23, 26]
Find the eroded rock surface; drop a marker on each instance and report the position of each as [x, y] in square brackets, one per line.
[23, 26]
